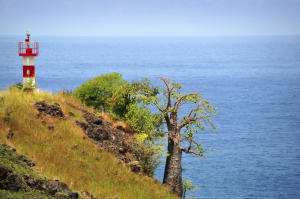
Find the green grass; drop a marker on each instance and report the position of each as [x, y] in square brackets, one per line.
[15, 162]
[23, 195]
[63, 154]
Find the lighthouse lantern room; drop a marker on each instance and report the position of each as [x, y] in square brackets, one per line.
[28, 50]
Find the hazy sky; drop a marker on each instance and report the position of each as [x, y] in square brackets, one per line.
[150, 17]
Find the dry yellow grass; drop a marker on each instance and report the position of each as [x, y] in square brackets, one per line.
[63, 154]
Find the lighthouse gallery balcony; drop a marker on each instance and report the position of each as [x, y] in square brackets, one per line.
[28, 48]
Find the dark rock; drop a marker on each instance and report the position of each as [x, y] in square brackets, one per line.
[86, 194]
[30, 164]
[93, 197]
[63, 187]
[33, 182]
[93, 119]
[71, 114]
[127, 160]
[4, 172]
[134, 166]
[59, 195]
[22, 158]
[73, 195]
[53, 187]
[14, 183]
[59, 189]
[121, 150]
[10, 134]
[51, 128]
[121, 128]
[52, 110]
[82, 125]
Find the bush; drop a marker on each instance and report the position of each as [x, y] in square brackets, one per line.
[147, 153]
[97, 91]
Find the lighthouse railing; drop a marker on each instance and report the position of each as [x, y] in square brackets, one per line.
[28, 48]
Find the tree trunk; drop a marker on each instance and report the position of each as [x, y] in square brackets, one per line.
[173, 169]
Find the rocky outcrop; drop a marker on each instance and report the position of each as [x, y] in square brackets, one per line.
[14, 181]
[114, 140]
[10, 181]
[52, 110]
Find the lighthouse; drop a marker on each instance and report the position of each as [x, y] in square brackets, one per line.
[28, 50]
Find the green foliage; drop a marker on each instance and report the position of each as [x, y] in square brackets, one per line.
[148, 153]
[143, 121]
[124, 96]
[187, 187]
[29, 84]
[97, 91]
[149, 141]
[19, 86]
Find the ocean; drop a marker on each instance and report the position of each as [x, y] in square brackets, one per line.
[254, 81]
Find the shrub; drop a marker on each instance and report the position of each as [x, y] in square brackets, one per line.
[97, 91]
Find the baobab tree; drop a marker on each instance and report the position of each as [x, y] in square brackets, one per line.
[181, 130]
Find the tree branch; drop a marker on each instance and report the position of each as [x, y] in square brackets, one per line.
[181, 101]
[187, 151]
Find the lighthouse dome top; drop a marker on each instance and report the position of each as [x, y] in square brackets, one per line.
[28, 32]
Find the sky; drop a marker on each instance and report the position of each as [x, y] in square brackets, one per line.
[149, 17]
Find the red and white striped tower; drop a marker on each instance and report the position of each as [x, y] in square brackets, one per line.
[28, 50]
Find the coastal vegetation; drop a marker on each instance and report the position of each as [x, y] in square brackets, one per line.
[61, 150]
[96, 137]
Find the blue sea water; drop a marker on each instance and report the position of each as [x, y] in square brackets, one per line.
[254, 81]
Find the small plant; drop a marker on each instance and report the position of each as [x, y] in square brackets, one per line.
[187, 186]
[29, 84]
[24, 87]
[147, 153]
[66, 92]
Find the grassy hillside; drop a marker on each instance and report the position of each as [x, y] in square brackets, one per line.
[59, 149]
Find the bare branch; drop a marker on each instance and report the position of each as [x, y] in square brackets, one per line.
[168, 94]
[187, 151]
[157, 105]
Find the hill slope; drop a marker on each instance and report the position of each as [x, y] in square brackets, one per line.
[61, 150]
